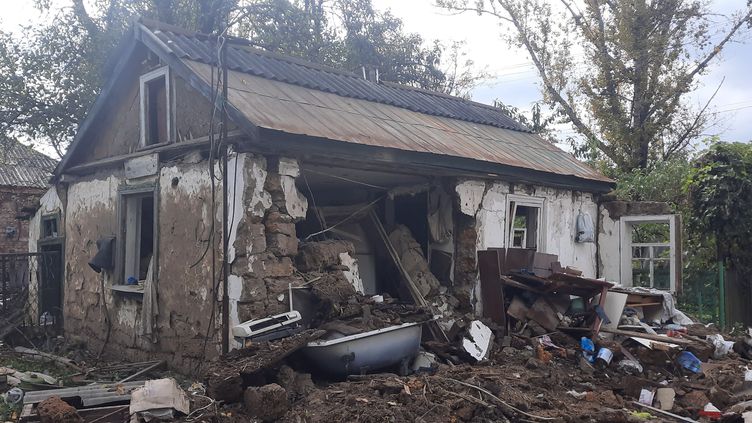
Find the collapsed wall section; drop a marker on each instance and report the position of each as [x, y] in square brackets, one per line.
[482, 222]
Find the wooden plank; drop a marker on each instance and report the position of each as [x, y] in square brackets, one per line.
[143, 371]
[665, 413]
[436, 330]
[491, 288]
[649, 336]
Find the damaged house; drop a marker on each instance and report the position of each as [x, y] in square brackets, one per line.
[330, 176]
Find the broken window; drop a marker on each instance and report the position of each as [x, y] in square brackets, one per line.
[155, 107]
[139, 239]
[651, 255]
[649, 249]
[525, 217]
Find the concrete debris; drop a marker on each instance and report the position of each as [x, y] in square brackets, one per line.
[55, 410]
[413, 261]
[321, 256]
[159, 399]
[479, 341]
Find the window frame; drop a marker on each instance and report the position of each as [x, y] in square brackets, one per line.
[47, 217]
[526, 201]
[144, 80]
[124, 194]
[626, 225]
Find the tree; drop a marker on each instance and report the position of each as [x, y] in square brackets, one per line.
[619, 70]
[720, 197]
[50, 75]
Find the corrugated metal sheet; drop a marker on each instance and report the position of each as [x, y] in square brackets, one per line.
[22, 166]
[305, 74]
[90, 395]
[294, 109]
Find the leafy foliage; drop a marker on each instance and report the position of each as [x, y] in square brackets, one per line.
[720, 195]
[619, 71]
[51, 73]
[662, 181]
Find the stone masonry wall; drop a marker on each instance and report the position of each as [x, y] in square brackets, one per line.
[266, 241]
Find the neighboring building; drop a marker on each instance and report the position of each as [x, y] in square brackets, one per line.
[310, 147]
[24, 176]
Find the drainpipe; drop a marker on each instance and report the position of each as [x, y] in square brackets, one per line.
[225, 241]
[722, 294]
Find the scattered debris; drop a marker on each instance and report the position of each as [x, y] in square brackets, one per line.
[55, 410]
[159, 400]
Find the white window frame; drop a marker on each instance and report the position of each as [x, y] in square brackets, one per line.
[132, 218]
[526, 201]
[625, 228]
[143, 82]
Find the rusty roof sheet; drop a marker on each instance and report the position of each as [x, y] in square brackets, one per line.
[253, 61]
[294, 109]
[22, 166]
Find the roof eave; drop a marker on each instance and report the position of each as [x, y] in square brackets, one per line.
[280, 141]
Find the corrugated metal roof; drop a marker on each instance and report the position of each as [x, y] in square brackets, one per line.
[22, 166]
[246, 59]
[281, 106]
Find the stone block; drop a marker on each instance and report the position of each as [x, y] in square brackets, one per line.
[252, 310]
[282, 245]
[273, 184]
[254, 289]
[256, 241]
[268, 402]
[278, 267]
[276, 286]
[287, 228]
[274, 216]
[317, 256]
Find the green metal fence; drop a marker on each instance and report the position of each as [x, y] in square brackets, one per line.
[699, 297]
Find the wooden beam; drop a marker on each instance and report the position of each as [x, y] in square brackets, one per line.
[651, 337]
[665, 413]
[197, 143]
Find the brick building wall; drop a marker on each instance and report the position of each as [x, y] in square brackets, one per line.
[17, 206]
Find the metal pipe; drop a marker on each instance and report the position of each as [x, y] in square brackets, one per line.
[225, 240]
[722, 294]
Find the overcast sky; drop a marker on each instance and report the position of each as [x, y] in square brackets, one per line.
[514, 78]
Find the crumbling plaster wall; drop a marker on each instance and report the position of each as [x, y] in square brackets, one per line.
[482, 213]
[90, 214]
[183, 196]
[264, 206]
[267, 204]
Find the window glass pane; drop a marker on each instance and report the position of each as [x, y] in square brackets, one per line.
[518, 241]
[661, 274]
[662, 252]
[156, 110]
[651, 233]
[640, 252]
[523, 226]
[641, 273]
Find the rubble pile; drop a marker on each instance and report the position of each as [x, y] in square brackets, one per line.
[551, 345]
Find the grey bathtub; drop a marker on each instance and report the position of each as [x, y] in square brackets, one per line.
[368, 351]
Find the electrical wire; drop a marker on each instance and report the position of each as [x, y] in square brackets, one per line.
[355, 213]
[214, 146]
